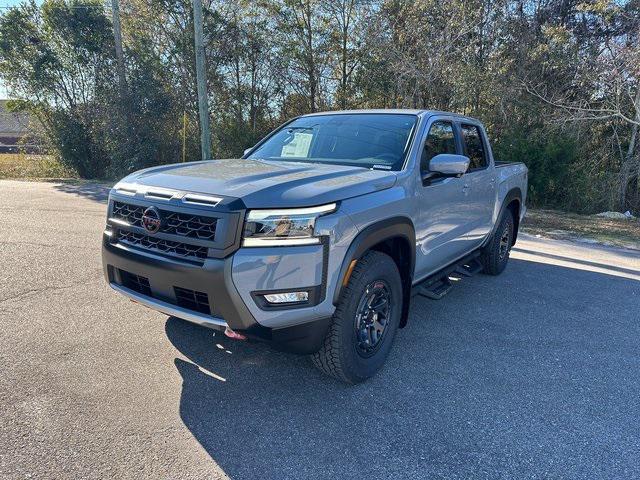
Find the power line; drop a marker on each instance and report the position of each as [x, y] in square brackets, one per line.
[71, 7]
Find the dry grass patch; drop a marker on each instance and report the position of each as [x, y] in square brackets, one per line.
[25, 166]
[555, 224]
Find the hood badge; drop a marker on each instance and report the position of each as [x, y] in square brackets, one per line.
[151, 220]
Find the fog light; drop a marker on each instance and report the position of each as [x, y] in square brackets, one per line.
[288, 297]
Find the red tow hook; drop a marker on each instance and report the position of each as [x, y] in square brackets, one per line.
[235, 335]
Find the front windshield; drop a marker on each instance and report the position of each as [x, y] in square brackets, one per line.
[370, 140]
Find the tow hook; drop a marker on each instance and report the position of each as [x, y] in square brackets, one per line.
[235, 335]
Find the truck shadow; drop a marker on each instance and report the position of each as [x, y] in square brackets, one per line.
[502, 375]
[98, 192]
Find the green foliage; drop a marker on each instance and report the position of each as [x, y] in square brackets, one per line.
[75, 144]
[549, 156]
[59, 57]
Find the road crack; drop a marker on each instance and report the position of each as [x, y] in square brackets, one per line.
[49, 288]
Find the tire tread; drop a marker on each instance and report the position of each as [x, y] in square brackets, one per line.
[328, 359]
[490, 258]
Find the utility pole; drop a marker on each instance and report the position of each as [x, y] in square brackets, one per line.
[184, 136]
[117, 38]
[201, 75]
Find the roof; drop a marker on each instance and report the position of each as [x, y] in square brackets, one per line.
[12, 123]
[405, 111]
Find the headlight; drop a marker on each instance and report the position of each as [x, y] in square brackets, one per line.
[292, 226]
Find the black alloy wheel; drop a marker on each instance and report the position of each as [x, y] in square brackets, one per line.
[372, 317]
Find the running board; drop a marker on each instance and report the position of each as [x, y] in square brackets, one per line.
[436, 290]
[438, 285]
[469, 269]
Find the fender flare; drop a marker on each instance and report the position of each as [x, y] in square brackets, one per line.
[372, 235]
[513, 194]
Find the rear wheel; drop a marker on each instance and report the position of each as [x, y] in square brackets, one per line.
[495, 256]
[365, 321]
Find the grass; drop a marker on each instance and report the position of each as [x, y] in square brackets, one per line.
[563, 225]
[32, 167]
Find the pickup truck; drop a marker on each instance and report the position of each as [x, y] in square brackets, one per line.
[317, 238]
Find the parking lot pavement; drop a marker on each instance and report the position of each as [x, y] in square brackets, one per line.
[532, 374]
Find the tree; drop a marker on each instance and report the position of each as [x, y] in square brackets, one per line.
[301, 33]
[59, 58]
[604, 83]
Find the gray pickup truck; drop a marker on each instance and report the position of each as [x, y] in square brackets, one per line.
[317, 238]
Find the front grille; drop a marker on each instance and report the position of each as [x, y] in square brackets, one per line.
[182, 224]
[167, 247]
[135, 282]
[192, 226]
[132, 214]
[192, 300]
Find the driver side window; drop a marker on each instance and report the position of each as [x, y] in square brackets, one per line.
[440, 139]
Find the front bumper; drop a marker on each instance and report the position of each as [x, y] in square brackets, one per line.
[298, 330]
[171, 310]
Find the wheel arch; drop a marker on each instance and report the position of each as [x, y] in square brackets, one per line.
[393, 236]
[512, 202]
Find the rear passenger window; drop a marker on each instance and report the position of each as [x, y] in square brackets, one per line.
[439, 140]
[474, 147]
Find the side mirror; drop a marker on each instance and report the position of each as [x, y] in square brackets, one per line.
[247, 150]
[448, 164]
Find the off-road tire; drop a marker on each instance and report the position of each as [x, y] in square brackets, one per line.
[339, 356]
[494, 257]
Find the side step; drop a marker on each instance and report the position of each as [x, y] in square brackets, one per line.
[438, 285]
[437, 289]
[469, 269]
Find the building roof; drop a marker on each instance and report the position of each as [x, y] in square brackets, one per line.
[14, 124]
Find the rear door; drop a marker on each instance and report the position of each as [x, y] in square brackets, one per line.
[441, 217]
[479, 181]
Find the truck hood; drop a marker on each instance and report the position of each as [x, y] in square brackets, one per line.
[267, 184]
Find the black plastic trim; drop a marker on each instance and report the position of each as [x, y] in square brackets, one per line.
[513, 194]
[372, 235]
[302, 339]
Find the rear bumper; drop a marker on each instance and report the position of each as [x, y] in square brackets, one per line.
[213, 278]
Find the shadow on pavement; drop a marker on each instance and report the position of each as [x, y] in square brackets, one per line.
[628, 253]
[98, 192]
[535, 372]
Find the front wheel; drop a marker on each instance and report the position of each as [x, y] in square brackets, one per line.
[365, 321]
[495, 256]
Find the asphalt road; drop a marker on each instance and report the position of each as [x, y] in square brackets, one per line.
[532, 374]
